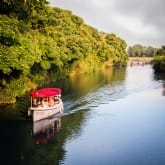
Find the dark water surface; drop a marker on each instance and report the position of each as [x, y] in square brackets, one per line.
[114, 117]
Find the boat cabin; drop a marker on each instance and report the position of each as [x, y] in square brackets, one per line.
[45, 97]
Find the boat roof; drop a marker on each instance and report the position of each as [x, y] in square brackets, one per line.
[46, 92]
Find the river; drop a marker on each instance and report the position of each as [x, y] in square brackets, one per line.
[111, 117]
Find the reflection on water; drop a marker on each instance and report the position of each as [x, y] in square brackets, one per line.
[79, 92]
[45, 130]
[161, 76]
[110, 117]
[89, 91]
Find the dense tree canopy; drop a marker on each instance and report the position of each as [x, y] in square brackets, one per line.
[36, 37]
[158, 55]
[159, 60]
[141, 51]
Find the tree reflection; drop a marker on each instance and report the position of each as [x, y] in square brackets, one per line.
[45, 143]
[161, 76]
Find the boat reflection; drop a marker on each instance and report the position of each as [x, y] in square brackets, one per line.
[46, 129]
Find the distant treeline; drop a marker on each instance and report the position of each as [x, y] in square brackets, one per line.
[158, 55]
[37, 40]
[141, 51]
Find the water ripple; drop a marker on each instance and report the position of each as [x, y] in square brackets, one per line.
[104, 95]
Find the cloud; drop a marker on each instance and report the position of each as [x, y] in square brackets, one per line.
[136, 21]
[149, 11]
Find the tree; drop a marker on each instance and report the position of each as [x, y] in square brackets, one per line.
[35, 36]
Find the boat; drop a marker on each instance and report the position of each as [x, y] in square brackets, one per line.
[45, 103]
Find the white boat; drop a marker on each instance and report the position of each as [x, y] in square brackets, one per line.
[45, 102]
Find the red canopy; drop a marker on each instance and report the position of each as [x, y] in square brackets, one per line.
[46, 92]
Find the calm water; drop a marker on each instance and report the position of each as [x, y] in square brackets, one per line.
[114, 117]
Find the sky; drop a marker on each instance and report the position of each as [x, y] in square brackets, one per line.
[135, 21]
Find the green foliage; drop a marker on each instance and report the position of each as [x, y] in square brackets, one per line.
[9, 31]
[159, 60]
[13, 88]
[45, 64]
[158, 55]
[160, 51]
[36, 38]
[141, 51]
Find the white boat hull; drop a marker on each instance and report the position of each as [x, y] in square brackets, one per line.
[39, 113]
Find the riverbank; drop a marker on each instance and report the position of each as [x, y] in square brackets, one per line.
[139, 60]
[159, 64]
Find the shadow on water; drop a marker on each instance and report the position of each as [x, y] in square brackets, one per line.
[91, 90]
[42, 142]
[81, 92]
[16, 111]
[159, 77]
[23, 142]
